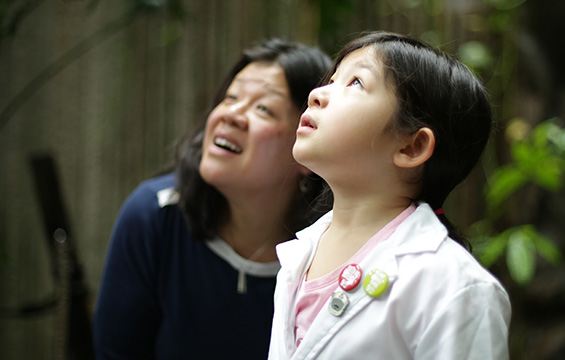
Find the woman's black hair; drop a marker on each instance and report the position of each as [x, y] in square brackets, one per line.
[203, 205]
[438, 92]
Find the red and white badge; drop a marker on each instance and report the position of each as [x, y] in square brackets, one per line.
[350, 277]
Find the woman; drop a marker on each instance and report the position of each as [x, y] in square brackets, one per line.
[190, 270]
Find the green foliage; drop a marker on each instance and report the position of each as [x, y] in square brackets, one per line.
[475, 55]
[537, 155]
[505, 4]
[520, 245]
[537, 159]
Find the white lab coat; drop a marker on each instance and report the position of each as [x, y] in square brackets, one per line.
[440, 302]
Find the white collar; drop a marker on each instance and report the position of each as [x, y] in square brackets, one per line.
[422, 231]
[227, 253]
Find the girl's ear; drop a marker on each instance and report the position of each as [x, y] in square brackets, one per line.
[417, 150]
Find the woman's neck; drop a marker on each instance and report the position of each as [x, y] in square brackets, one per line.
[254, 228]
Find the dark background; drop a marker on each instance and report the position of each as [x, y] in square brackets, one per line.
[104, 88]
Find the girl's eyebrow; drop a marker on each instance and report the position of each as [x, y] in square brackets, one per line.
[363, 64]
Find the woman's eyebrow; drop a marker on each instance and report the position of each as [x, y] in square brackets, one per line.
[274, 90]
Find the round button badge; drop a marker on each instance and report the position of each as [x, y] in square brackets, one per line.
[375, 283]
[338, 303]
[350, 277]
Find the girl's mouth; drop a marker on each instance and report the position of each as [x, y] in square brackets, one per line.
[306, 121]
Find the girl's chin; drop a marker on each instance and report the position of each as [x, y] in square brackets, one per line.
[300, 152]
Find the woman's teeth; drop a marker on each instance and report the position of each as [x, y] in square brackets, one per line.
[226, 144]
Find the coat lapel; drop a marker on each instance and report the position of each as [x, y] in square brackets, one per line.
[420, 232]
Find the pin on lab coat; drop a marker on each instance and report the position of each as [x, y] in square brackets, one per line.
[440, 302]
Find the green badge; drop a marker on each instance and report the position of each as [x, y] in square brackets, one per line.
[375, 283]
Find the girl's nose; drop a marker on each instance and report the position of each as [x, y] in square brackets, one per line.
[318, 97]
[235, 116]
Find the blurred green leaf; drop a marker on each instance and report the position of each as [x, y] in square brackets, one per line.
[547, 249]
[492, 249]
[520, 257]
[505, 4]
[501, 21]
[527, 156]
[434, 7]
[540, 134]
[412, 4]
[431, 37]
[504, 182]
[554, 134]
[549, 173]
[536, 160]
[475, 55]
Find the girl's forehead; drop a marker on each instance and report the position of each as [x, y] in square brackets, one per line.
[366, 58]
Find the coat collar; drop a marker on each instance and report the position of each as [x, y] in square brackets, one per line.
[296, 255]
[420, 232]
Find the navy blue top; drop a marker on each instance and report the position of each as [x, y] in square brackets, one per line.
[166, 295]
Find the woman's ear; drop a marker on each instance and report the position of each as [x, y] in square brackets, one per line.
[417, 150]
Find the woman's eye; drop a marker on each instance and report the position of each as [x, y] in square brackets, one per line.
[230, 97]
[264, 109]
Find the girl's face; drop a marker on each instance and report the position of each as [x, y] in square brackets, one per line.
[249, 135]
[344, 134]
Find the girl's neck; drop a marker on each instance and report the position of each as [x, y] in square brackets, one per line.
[353, 224]
[367, 213]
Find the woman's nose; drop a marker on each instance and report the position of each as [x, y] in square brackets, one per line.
[235, 116]
[318, 97]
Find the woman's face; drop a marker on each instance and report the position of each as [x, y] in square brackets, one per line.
[249, 136]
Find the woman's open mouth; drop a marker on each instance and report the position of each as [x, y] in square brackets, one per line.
[227, 145]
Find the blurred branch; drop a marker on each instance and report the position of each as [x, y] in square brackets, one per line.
[60, 64]
[12, 16]
[171, 8]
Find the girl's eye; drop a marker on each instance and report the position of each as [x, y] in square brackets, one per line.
[356, 82]
[230, 97]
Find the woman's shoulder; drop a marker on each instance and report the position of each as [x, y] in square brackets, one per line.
[155, 193]
[151, 200]
[150, 188]
[150, 215]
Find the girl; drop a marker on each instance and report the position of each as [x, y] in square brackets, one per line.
[384, 275]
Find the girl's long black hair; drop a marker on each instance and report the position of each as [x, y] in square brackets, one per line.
[438, 92]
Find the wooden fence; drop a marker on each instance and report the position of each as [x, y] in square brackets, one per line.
[105, 88]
